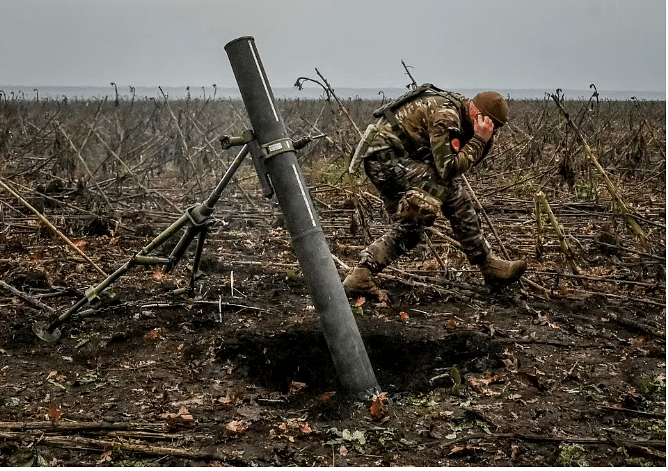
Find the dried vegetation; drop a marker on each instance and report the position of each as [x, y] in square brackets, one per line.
[566, 369]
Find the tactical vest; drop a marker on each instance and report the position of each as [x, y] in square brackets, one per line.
[387, 111]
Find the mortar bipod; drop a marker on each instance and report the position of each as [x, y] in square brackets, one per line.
[197, 220]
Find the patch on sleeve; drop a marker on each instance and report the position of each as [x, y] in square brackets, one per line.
[455, 144]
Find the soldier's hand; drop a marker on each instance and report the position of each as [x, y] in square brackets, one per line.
[483, 127]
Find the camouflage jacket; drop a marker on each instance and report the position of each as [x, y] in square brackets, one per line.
[438, 125]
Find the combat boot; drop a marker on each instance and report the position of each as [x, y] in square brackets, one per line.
[360, 280]
[498, 271]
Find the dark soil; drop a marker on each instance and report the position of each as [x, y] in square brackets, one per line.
[240, 374]
[566, 368]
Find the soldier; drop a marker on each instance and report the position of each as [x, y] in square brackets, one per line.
[414, 155]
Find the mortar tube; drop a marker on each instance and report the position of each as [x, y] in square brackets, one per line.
[337, 323]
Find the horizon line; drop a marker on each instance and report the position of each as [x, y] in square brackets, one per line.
[198, 87]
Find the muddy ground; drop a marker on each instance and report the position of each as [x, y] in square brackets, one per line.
[239, 374]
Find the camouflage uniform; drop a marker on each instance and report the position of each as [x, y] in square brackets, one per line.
[422, 181]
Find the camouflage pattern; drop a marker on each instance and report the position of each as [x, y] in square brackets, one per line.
[445, 148]
[440, 128]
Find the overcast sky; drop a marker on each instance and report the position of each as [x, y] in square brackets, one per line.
[505, 44]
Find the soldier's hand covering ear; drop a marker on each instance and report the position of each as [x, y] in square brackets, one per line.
[483, 127]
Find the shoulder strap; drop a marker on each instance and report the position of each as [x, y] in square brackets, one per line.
[406, 97]
[387, 111]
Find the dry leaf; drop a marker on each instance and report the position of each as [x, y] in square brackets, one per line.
[404, 316]
[231, 398]
[183, 414]
[326, 397]
[462, 450]
[480, 384]
[377, 409]
[104, 457]
[80, 244]
[236, 427]
[158, 274]
[290, 428]
[305, 428]
[296, 387]
[153, 335]
[55, 414]
[360, 301]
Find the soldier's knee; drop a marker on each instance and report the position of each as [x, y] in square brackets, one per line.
[419, 207]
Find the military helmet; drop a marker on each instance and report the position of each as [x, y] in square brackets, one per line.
[492, 104]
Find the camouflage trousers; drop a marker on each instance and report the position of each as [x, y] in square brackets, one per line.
[395, 178]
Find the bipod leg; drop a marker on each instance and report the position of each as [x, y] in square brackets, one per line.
[197, 258]
[200, 215]
[198, 219]
[50, 332]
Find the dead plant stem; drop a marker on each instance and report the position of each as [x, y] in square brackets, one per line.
[52, 227]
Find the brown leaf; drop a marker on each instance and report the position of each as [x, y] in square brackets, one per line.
[182, 415]
[55, 414]
[236, 427]
[104, 457]
[232, 398]
[532, 380]
[480, 384]
[305, 428]
[462, 450]
[404, 316]
[360, 301]
[377, 409]
[451, 325]
[296, 387]
[326, 397]
[153, 335]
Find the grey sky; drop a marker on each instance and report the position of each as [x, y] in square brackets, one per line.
[616, 44]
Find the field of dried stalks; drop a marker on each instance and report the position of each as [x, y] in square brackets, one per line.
[566, 368]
